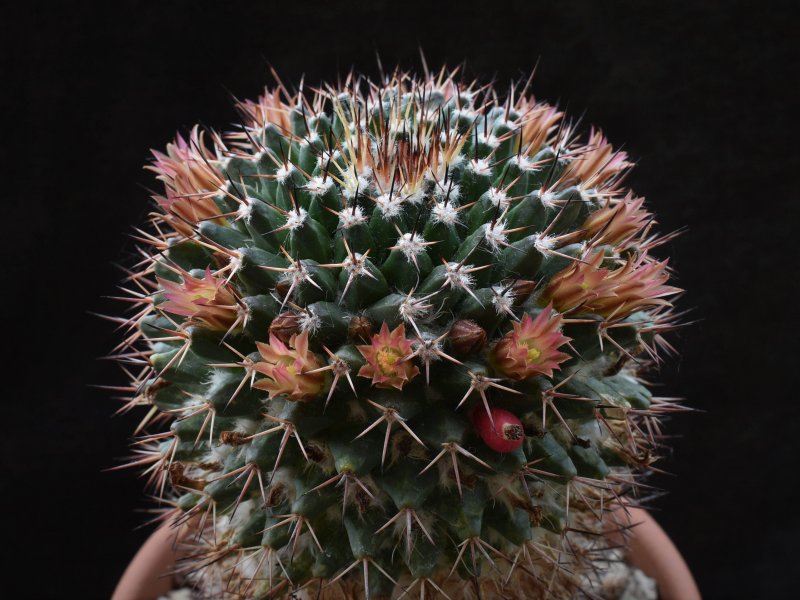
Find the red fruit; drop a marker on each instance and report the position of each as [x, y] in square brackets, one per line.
[507, 434]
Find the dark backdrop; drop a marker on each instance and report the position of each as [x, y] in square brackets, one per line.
[695, 90]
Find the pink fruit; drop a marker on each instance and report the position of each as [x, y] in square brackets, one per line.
[505, 436]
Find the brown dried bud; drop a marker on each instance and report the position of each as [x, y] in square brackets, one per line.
[282, 287]
[522, 289]
[232, 438]
[531, 430]
[285, 325]
[179, 479]
[467, 337]
[537, 515]
[360, 328]
[277, 493]
[362, 499]
[210, 465]
[176, 470]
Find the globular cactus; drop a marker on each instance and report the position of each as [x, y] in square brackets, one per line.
[390, 337]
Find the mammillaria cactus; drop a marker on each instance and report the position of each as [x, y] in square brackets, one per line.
[390, 338]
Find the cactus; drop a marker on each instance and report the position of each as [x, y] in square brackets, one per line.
[389, 337]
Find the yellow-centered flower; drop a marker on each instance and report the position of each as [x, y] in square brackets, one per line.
[531, 347]
[286, 369]
[386, 362]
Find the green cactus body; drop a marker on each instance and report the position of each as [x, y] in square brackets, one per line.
[392, 334]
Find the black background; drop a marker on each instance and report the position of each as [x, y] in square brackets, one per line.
[697, 91]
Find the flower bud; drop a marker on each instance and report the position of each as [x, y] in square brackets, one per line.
[285, 325]
[206, 300]
[521, 290]
[639, 283]
[360, 328]
[466, 337]
[282, 287]
[615, 223]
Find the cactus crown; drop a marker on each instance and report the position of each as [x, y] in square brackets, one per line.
[388, 335]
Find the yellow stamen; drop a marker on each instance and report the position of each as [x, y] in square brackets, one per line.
[386, 360]
[533, 353]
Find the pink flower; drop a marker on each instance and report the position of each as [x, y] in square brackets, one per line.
[539, 122]
[270, 108]
[187, 167]
[190, 180]
[208, 301]
[617, 293]
[286, 369]
[531, 347]
[637, 284]
[386, 362]
[615, 223]
[597, 163]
